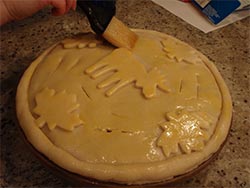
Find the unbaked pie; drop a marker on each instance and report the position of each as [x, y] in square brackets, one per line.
[129, 117]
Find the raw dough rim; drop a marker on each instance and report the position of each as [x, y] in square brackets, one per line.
[129, 173]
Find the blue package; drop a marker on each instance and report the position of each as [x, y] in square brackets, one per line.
[217, 10]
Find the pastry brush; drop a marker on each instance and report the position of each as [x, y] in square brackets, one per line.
[100, 14]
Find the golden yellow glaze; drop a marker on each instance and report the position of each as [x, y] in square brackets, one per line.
[180, 52]
[184, 131]
[90, 42]
[47, 110]
[133, 117]
[127, 69]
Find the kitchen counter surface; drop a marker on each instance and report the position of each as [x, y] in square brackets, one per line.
[229, 48]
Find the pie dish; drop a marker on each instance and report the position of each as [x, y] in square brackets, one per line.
[130, 117]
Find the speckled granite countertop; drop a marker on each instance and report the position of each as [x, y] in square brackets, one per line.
[229, 48]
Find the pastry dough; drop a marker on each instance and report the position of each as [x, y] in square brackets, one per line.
[130, 117]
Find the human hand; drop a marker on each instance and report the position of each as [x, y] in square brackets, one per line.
[17, 9]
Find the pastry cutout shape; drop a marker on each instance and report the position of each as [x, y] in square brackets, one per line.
[180, 52]
[83, 43]
[183, 132]
[127, 69]
[56, 109]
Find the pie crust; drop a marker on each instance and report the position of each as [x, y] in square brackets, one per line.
[129, 117]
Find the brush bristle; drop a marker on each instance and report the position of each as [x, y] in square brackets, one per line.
[119, 34]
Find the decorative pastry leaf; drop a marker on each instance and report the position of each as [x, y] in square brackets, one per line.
[180, 52]
[80, 43]
[56, 110]
[184, 132]
[127, 69]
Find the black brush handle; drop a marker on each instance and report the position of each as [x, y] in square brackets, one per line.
[99, 13]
